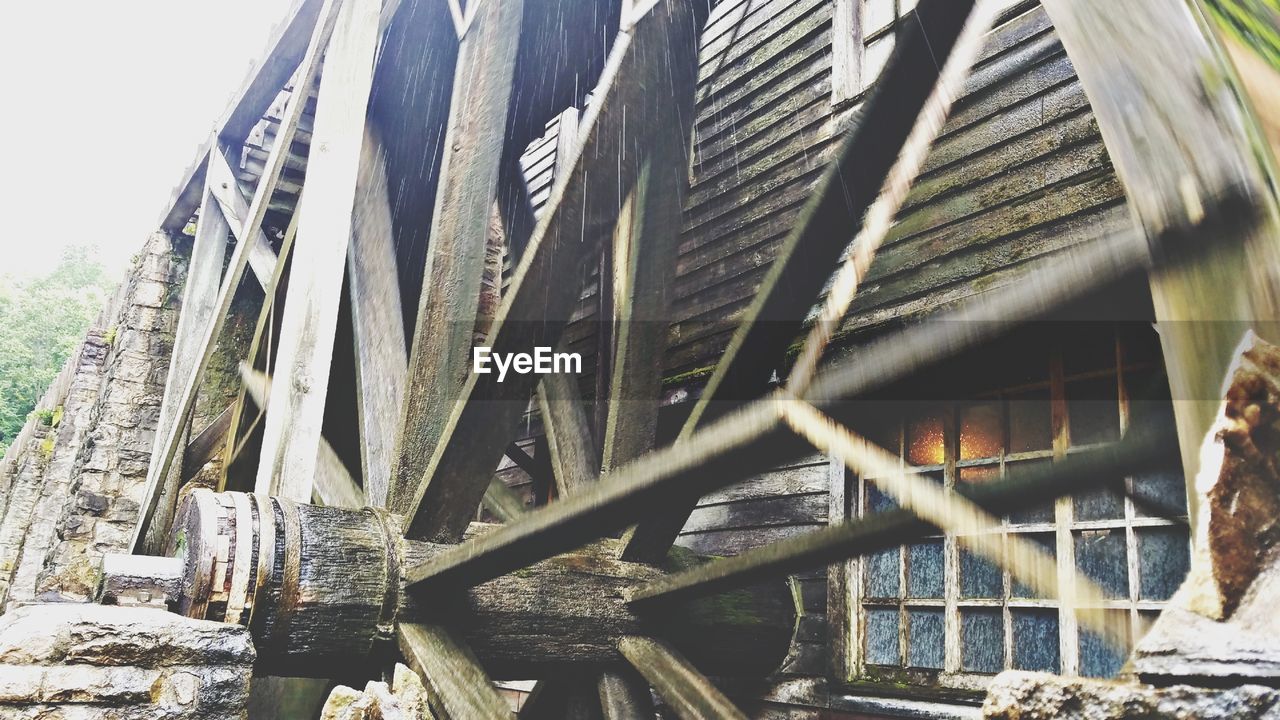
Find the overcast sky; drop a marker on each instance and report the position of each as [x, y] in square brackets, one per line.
[104, 105]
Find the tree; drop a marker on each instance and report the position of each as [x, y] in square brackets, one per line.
[42, 320]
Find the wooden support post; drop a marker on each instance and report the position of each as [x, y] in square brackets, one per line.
[378, 322]
[205, 446]
[686, 690]
[456, 684]
[536, 310]
[1189, 154]
[441, 354]
[224, 186]
[168, 442]
[199, 296]
[291, 437]
[574, 460]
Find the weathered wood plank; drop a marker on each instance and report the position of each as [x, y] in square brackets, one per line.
[199, 297]
[454, 679]
[226, 189]
[691, 695]
[168, 442]
[804, 262]
[285, 49]
[1186, 148]
[333, 485]
[291, 434]
[535, 311]
[441, 353]
[377, 321]
[204, 446]
[574, 460]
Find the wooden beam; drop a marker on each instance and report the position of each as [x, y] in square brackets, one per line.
[805, 259]
[441, 354]
[168, 442]
[377, 321]
[536, 310]
[574, 460]
[334, 485]
[226, 189]
[749, 438]
[687, 691]
[204, 446]
[454, 679]
[285, 49]
[199, 297]
[1189, 153]
[501, 502]
[291, 435]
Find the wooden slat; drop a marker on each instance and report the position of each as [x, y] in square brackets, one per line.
[333, 483]
[749, 438]
[645, 268]
[224, 186]
[204, 446]
[540, 303]
[1078, 472]
[806, 257]
[574, 460]
[441, 353]
[168, 442]
[377, 321]
[501, 502]
[199, 297]
[687, 691]
[1186, 148]
[285, 48]
[291, 435]
[454, 679]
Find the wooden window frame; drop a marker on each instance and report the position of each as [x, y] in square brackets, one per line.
[846, 606]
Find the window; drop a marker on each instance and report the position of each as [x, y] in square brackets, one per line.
[930, 613]
[863, 36]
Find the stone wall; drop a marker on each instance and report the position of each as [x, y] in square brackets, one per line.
[71, 661]
[71, 489]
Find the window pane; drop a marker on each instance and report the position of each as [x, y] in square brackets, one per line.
[982, 641]
[1088, 349]
[1098, 505]
[1035, 640]
[1098, 658]
[925, 642]
[1100, 555]
[875, 58]
[1093, 410]
[924, 570]
[1030, 422]
[881, 575]
[979, 474]
[876, 15]
[882, 636]
[979, 578]
[925, 444]
[1163, 561]
[980, 435]
[878, 501]
[1041, 512]
[1161, 488]
[1047, 541]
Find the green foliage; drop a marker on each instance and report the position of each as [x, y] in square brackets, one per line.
[1255, 23]
[45, 417]
[42, 319]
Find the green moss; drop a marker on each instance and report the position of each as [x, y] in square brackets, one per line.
[46, 447]
[56, 420]
[110, 337]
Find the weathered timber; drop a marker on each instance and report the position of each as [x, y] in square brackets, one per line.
[198, 297]
[168, 442]
[687, 691]
[377, 321]
[140, 580]
[535, 312]
[499, 500]
[750, 438]
[441, 351]
[321, 583]
[225, 188]
[291, 434]
[285, 49]
[205, 446]
[574, 460]
[804, 262]
[1189, 153]
[457, 687]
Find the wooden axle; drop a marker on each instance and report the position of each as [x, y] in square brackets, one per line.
[321, 590]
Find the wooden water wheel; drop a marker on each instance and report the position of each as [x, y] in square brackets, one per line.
[556, 590]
